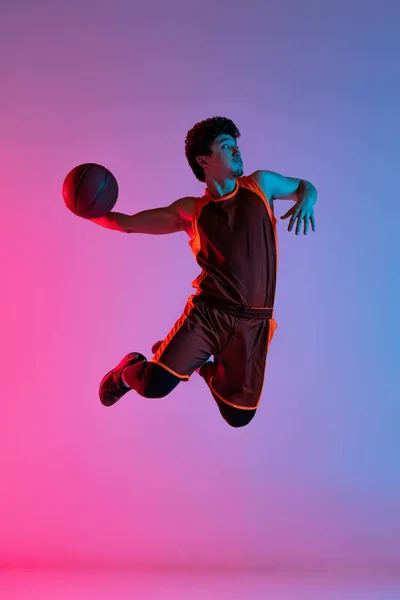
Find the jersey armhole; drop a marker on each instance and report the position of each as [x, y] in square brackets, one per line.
[194, 241]
[249, 183]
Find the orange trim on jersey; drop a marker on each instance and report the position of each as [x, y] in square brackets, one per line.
[195, 284]
[194, 242]
[226, 197]
[250, 184]
[184, 377]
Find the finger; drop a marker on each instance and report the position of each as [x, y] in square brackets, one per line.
[312, 219]
[293, 219]
[305, 225]
[299, 222]
[286, 215]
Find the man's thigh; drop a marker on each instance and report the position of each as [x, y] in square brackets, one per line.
[191, 341]
[240, 366]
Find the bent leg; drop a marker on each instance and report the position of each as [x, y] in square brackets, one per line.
[150, 380]
[235, 417]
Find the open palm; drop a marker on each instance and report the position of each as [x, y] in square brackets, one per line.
[303, 212]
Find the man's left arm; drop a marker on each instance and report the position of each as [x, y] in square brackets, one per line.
[276, 186]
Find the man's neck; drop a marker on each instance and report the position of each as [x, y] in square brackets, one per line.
[218, 189]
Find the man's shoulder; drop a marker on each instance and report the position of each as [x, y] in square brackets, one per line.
[260, 177]
[187, 206]
[256, 179]
[258, 182]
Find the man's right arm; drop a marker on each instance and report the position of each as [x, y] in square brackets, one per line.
[157, 221]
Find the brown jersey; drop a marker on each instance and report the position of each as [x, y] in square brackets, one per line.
[231, 314]
[235, 244]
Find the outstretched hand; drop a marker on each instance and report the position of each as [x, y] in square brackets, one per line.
[303, 211]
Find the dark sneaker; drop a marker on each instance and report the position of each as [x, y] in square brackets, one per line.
[112, 387]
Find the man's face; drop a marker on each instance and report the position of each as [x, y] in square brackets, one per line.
[225, 161]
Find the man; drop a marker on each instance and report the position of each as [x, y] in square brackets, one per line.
[232, 230]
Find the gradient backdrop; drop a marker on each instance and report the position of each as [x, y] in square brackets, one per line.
[315, 478]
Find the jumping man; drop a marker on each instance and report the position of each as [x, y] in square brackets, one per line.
[232, 231]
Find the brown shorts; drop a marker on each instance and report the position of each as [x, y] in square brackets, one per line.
[238, 337]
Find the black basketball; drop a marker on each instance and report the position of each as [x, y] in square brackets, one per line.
[90, 191]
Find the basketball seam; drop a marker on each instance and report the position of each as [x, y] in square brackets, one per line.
[99, 191]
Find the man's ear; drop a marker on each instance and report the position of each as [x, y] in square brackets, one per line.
[202, 161]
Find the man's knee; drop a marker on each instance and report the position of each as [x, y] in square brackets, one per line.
[152, 391]
[236, 417]
[156, 382]
[241, 421]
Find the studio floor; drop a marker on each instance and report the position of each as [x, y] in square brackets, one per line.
[88, 585]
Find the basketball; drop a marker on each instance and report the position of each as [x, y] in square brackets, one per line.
[90, 191]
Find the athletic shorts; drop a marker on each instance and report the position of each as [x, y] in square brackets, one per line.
[237, 336]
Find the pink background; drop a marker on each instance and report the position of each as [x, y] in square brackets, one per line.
[315, 478]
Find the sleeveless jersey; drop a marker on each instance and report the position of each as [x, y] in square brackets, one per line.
[235, 244]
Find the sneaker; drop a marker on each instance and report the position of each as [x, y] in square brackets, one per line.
[112, 387]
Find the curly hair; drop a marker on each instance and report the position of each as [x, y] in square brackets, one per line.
[201, 137]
